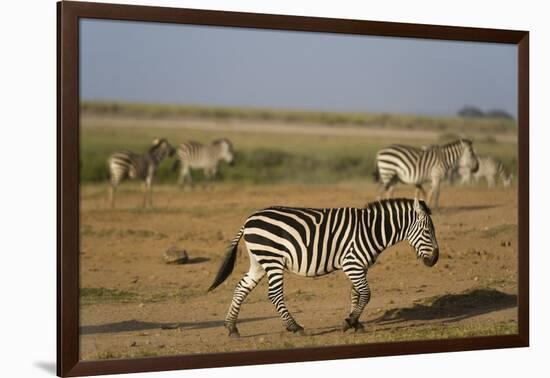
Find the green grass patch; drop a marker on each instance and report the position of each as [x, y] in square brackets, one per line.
[260, 158]
[90, 295]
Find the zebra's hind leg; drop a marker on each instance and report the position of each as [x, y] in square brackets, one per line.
[185, 175]
[433, 197]
[243, 288]
[360, 296]
[112, 193]
[276, 296]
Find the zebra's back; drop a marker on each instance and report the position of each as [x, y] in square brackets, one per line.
[195, 154]
[126, 163]
[310, 242]
[492, 169]
[403, 162]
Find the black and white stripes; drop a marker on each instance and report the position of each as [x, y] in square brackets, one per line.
[195, 155]
[127, 164]
[414, 166]
[314, 242]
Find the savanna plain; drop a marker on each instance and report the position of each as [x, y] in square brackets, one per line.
[133, 304]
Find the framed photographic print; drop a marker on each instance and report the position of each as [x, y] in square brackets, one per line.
[240, 188]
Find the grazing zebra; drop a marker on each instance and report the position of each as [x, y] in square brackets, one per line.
[194, 155]
[127, 164]
[414, 166]
[314, 242]
[489, 168]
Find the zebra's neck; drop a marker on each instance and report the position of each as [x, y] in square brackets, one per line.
[386, 223]
[157, 155]
[216, 150]
[450, 154]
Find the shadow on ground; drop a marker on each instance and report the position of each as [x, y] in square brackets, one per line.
[137, 325]
[196, 260]
[457, 209]
[452, 307]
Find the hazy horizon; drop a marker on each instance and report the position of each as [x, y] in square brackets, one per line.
[157, 63]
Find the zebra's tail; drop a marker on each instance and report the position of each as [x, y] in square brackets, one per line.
[228, 262]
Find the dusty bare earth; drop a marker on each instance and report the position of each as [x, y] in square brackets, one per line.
[133, 304]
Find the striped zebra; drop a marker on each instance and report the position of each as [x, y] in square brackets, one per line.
[315, 242]
[194, 155]
[127, 164]
[414, 166]
[489, 168]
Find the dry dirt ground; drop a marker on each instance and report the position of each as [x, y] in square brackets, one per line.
[133, 304]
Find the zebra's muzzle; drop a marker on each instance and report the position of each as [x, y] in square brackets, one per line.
[432, 260]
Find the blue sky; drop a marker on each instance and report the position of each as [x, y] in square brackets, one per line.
[204, 65]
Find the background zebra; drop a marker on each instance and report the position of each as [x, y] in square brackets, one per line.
[127, 164]
[414, 166]
[489, 168]
[194, 155]
[314, 242]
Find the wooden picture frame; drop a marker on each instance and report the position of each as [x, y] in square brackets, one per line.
[69, 14]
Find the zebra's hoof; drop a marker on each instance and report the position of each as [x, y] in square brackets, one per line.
[233, 331]
[296, 329]
[347, 325]
[351, 323]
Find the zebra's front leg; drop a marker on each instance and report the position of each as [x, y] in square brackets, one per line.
[185, 176]
[360, 296]
[276, 296]
[147, 188]
[433, 198]
[249, 281]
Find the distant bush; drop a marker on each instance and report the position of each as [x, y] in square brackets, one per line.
[470, 112]
[497, 113]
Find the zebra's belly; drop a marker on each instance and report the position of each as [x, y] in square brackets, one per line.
[313, 264]
[201, 164]
[312, 272]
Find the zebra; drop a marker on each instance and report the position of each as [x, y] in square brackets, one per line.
[414, 166]
[314, 242]
[199, 156]
[489, 168]
[127, 164]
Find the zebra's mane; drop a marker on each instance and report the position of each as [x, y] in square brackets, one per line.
[423, 205]
[458, 141]
[223, 140]
[157, 143]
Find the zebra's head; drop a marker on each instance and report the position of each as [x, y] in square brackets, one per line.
[468, 158]
[161, 148]
[226, 150]
[421, 234]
